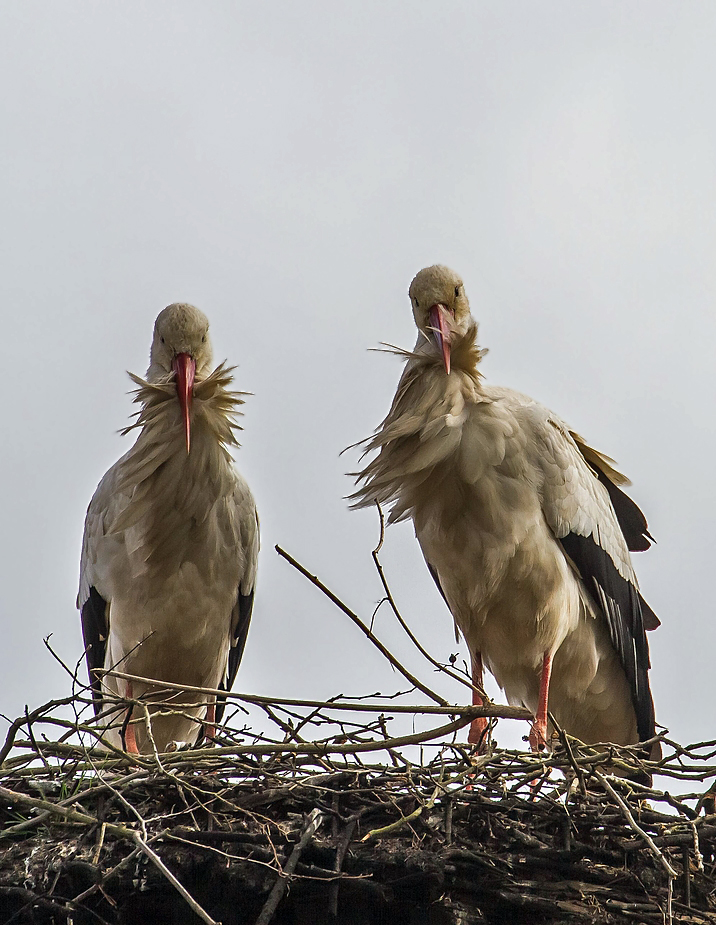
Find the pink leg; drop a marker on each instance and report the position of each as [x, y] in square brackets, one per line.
[478, 727]
[210, 722]
[130, 739]
[538, 735]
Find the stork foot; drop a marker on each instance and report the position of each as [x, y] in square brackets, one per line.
[538, 736]
[538, 743]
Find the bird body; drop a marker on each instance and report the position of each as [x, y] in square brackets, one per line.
[519, 530]
[169, 556]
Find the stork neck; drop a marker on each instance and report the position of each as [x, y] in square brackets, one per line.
[465, 355]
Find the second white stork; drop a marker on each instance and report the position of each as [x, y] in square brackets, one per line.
[524, 528]
[170, 548]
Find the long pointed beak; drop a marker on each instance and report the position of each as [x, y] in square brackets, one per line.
[184, 367]
[441, 331]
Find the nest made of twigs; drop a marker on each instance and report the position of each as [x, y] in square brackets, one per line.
[334, 813]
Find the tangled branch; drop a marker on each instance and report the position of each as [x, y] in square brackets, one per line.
[330, 799]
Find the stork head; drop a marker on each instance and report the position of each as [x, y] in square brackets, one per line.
[181, 346]
[440, 308]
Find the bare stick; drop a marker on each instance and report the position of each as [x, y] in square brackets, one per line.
[361, 625]
[71, 815]
[399, 617]
[314, 820]
[150, 736]
[17, 724]
[570, 754]
[172, 759]
[501, 711]
[183, 892]
[635, 825]
[341, 849]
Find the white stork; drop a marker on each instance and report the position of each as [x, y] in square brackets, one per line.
[523, 527]
[170, 547]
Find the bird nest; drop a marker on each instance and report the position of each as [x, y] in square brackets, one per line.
[335, 813]
[351, 830]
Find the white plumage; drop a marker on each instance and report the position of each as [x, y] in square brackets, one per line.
[171, 544]
[523, 527]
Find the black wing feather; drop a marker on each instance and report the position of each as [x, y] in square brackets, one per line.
[243, 607]
[94, 633]
[627, 614]
[434, 573]
[631, 519]
[623, 609]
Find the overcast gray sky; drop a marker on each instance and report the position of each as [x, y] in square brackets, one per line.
[288, 167]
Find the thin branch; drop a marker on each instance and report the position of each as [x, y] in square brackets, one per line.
[399, 617]
[313, 822]
[497, 711]
[635, 825]
[362, 626]
[160, 865]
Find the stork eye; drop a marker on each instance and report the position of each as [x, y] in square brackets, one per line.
[457, 291]
[203, 340]
[417, 304]
[161, 338]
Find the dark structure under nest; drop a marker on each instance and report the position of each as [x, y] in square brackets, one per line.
[334, 817]
[301, 832]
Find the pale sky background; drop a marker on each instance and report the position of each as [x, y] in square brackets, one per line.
[288, 167]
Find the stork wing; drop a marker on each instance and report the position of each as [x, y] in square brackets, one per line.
[630, 517]
[241, 614]
[578, 505]
[93, 597]
[95, 626]
[436, 578]
[631, 520]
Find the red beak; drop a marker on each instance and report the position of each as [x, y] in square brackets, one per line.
[440, 327]
[184, 368]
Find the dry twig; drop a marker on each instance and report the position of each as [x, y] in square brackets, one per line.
[73, 807]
